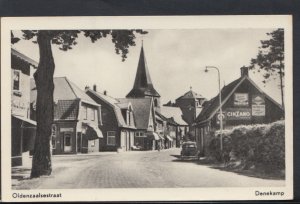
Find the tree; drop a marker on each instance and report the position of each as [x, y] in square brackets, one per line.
[270, 58]
[122, 39]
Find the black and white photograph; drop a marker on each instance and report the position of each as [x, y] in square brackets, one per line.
[141, 108]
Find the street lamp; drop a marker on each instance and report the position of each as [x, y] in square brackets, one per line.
[220, 106]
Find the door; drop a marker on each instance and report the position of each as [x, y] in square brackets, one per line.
[67, 142]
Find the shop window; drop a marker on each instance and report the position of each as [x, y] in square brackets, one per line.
[111, 138]
[16, 80]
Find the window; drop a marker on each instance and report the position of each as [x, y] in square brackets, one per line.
[16, 80]
[155, 102]
[84, 113]
[92, 114]
[111, 138]
[139, 134]
[67, 140]
[93, 143]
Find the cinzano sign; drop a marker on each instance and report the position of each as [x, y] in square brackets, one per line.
[238, 114]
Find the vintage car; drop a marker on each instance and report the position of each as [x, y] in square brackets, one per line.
[189, 151]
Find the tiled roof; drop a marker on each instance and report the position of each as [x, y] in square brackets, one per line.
[114, 103]
[24, 58]
[165, 118]
[174, 112]
[64, 89]
[66, 110]
[211, 106]
[141, 110]
[142, 85]
[190, 95]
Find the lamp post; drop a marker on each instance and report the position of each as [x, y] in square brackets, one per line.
[220, 107]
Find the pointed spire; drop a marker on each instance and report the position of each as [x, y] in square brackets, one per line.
[143, 84]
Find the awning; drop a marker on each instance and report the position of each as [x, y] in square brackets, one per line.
[153, 136]
[93, 132]
[161, 137]
[169, 138]
[26, 120]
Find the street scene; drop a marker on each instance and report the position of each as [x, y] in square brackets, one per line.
[137, 170]
[147, 108]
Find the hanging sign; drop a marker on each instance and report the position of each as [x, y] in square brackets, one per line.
[241, 99]
[238, 114]
[258, 106]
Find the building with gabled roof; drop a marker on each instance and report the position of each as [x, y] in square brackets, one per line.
[190, 105]
[243, 103]
[118, 123]
[76, 118]
[144, 114]
[143, 86]
[23, 129]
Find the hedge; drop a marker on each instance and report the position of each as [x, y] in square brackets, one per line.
[252, 146]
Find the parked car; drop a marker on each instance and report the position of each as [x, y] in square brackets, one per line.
[189, 151]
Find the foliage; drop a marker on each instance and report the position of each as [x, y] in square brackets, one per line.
[253, 145]
[270, 56]
[66, 39]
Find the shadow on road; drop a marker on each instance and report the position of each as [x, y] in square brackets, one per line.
[256, 173]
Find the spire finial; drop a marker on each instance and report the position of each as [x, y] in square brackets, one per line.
[191, 87]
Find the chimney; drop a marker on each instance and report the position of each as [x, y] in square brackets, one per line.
[94, 87]
[244, 71]
[105, 92]
[86, 87]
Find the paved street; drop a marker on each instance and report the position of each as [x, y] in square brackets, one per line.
[137, 169]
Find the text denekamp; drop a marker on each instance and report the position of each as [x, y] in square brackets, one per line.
[269, 193]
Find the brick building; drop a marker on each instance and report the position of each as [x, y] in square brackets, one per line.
[76, 119]
[118, 123]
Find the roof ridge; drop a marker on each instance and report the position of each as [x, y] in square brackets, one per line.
[67, 80]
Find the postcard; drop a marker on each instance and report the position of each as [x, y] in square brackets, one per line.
[147, 108]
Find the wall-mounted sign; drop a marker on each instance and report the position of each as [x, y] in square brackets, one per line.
[238, 114]
[218, 118]
[66, 129]
[258, 106]
[18, 107]
[241, 99]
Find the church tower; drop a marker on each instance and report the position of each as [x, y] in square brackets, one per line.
[143, 87]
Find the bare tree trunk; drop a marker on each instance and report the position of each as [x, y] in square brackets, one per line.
[41, 162]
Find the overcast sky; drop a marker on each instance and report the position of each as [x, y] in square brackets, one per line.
[176, 60]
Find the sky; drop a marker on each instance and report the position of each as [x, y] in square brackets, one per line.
[176, 61]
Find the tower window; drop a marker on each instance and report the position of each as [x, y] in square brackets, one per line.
[155, 103]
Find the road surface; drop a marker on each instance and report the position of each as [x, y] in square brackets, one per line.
[135, 170]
